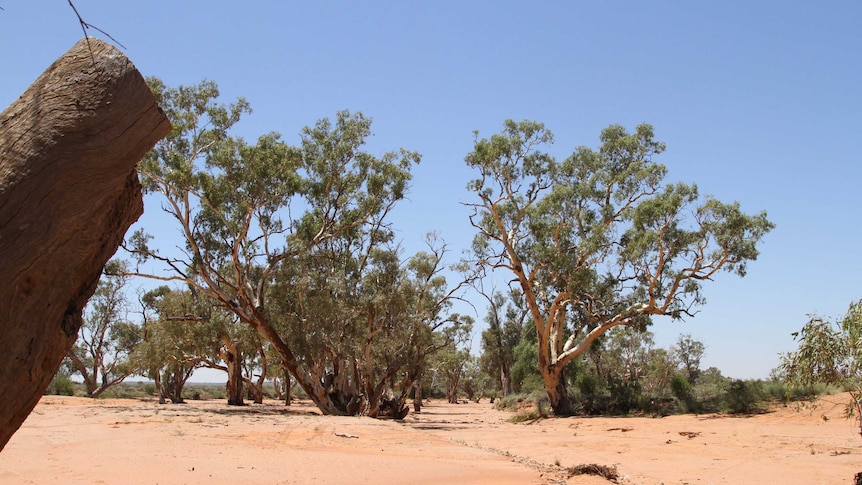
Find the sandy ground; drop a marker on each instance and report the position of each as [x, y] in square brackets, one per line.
[122, 441]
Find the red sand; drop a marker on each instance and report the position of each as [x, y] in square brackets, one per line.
[79, 440]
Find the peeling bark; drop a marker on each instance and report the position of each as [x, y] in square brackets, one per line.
[68, 193]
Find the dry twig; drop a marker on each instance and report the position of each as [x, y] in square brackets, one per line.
[84, 26]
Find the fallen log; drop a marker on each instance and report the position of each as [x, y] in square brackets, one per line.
[68, 194]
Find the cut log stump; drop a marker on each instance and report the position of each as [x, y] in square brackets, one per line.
[68, 194]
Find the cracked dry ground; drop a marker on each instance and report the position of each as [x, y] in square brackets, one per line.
[78, 440]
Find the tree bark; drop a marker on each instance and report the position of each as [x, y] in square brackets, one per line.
[68, 193]
[558, 396]
[232, 360]
[505, 379]
[417, 397]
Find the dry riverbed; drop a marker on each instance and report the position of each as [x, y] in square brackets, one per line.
[74, 440]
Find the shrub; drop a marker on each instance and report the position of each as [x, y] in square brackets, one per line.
[776, 390]
[625, 397]
[527, 407]
[589, 393]
[61, 385]
[684, 393]
[743, 397]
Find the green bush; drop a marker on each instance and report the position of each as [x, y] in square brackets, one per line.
[683, 392]
[776, 390]
[743, 397]
[590, 394]
[625, 397]
[527, 406]
[516, 402]
[61, 385]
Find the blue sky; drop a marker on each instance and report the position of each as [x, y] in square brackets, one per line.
[757, 101]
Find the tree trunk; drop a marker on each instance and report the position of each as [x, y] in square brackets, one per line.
[174, 381]
[68, 193]
[561, 403]
[505, 379]
[157, 378]
[234, 374]
[288, 387]
[312, 385]
[255, 390]
[417, 397]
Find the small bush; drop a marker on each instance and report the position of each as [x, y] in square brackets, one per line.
[743, 397]
[683, 392]
[61, 385]
[625, 397]
[589, 393]
[527, 407]
[776, 390]
[149, 389]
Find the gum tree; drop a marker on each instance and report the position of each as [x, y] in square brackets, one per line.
[829, 353]
[598, 240]
[250, 211]
[505, 319]
[107, 337]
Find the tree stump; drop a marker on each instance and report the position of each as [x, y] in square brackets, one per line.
[68, 193]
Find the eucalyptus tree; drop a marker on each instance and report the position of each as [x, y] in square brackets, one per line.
[174, 340]
[598, 240]
[248, 211]
[829, 352]
[689, 353]
[107, 336]
[234, 348]
[505, 319]
[628, 353]
[363, 322]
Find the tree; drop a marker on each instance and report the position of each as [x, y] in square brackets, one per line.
[689, 352]
[364, 322]
[598, 241]
[107, 337]
[829, 353]
[269, 224]
[661, 370]
[505, 321]
[525, 373]
[71, 146]
[173, 340]
[627, 352]
[450, 362]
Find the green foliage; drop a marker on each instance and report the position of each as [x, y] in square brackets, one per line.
[294, 243]
[829, 353]
[591, 394]
[743, 397]
[107, 337]
[61, 385]
[505, 319]
[598, 240]
[778, 391]
[689, 353]
[525, 374]
[681, 388]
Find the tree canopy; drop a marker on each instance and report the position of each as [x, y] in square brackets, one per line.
[295, 242]
[598, 240]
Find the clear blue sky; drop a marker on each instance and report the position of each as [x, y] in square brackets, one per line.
[757, 101]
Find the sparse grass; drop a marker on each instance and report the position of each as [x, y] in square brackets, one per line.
[516, 402]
